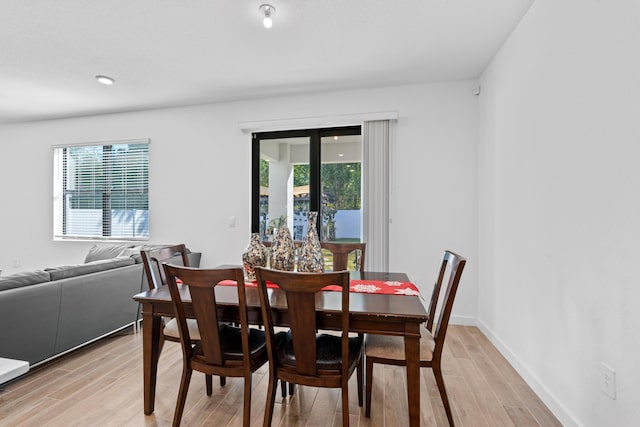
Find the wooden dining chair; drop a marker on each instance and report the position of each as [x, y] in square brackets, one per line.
[341, 253]
[153, 259]
[389, 350]
[305, 357]
[223, 349]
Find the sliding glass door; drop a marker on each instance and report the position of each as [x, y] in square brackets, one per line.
[295, 172]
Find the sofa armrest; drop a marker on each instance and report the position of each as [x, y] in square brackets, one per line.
[96, 304]
[29, 322]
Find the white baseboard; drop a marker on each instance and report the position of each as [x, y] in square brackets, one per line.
[559, 410]
[463, 320]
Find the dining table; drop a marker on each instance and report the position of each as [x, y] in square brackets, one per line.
[398, 313]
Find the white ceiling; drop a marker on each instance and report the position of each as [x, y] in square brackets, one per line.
[180, 52]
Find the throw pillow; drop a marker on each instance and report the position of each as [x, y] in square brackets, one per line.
[100, 252]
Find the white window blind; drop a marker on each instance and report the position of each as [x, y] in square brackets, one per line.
[101, 191]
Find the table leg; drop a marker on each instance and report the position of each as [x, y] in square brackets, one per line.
[151, 331]
[412, 355]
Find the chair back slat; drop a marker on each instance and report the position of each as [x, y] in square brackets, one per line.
[435, 295]
[204, 308]
[454, 264]
[303, 325]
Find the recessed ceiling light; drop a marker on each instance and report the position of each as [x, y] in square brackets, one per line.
[340, 155]
[105, 80]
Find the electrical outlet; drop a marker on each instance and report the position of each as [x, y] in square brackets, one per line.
[608, 380]
[16, 263]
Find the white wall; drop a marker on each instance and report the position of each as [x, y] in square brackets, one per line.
[559, 169]
[200, 173]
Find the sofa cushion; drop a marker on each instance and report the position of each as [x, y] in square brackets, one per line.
[19, 280]
[134, 253]
[101, 252]
[66, 271]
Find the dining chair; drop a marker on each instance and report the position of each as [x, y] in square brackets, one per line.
[153, 259]
[305, 357]
[341, 253]
[296, 244]
[223, 349]
[389, 350]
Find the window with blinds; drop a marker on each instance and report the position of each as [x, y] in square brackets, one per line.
[101, 191]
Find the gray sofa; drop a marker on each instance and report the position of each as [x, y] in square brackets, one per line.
[46, 313]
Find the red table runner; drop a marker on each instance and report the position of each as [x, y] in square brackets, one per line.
[363, 286]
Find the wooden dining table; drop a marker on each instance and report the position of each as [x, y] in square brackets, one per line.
[372, 313]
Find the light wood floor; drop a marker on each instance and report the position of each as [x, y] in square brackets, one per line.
[101, 385]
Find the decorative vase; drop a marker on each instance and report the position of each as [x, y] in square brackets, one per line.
[282, 249]
[255, 255]
[311, 259]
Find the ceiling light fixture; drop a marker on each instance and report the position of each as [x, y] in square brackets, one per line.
[267, 10]
[105, 80]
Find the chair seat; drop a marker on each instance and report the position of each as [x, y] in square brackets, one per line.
[328, 351]
[171, 329]
[231, 339]
[392, 348]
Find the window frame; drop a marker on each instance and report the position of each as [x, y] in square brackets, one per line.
[315, 163]
[61, 190]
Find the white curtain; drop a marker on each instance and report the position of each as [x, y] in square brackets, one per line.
[375, 189]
